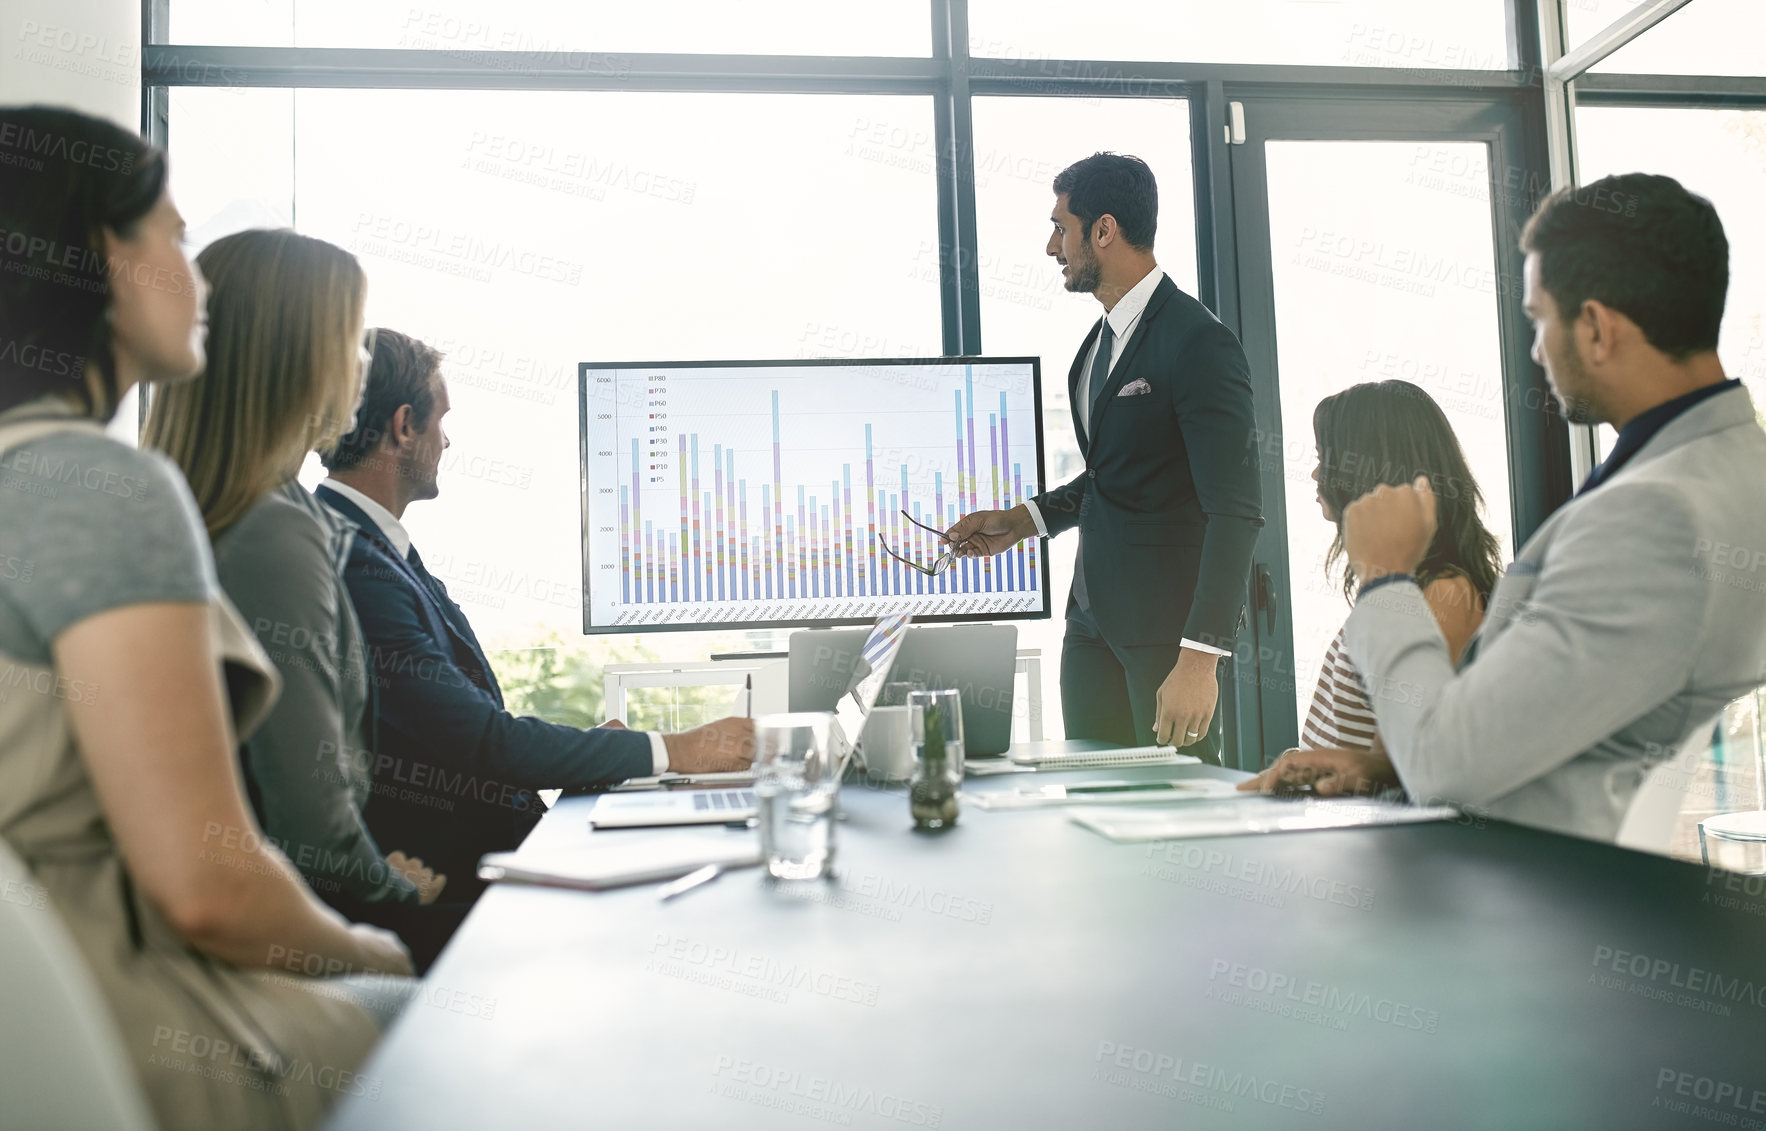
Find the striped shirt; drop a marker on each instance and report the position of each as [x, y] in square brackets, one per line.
[1341, 718]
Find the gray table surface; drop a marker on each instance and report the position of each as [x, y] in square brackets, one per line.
[1022, 971]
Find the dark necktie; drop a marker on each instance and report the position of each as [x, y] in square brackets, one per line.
[429, 581]
[1100, 376]
[456, 618]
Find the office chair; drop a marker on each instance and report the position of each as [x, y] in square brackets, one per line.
[61, 1061]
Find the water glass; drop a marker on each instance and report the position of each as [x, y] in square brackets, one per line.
[895, 693]
[796, 785]
[937, 721]
[887, 745]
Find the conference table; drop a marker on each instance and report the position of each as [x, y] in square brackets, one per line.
[1022, 971]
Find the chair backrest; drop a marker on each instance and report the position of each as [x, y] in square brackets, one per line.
[1655, 811]
[61, 1060]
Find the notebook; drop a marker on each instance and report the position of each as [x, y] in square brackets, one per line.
[1255, 813]
[1120, 756]
[1102, 793]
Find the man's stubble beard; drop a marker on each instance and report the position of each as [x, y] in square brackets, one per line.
[1576, 407]
[1577, 410]
[1086, 272]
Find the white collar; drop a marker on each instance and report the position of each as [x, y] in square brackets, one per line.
[1133, 303]
[391, 527]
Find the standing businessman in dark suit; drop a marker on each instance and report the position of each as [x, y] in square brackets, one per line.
[1169, 503]
[452, 769]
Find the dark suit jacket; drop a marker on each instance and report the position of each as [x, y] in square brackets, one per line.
[455, 773]
[1169, 503]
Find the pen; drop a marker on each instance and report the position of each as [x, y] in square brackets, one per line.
[1125, 787]
[748, 696]
[690, 881]
[723, 778]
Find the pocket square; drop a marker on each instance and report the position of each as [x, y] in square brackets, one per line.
[1136, 388]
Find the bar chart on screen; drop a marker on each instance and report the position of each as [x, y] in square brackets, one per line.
[804, 492]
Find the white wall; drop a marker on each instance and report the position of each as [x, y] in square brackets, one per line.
[83, 54]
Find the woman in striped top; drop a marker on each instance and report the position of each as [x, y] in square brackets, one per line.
[1390, 432]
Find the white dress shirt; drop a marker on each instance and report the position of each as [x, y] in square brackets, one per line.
[1124, 319]
[395, 533]
[389, 525]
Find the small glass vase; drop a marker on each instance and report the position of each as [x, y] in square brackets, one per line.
[937, 721]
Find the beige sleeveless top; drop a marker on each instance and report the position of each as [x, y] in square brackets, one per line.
[213, 1045]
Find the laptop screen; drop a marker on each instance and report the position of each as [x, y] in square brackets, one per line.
[876, 658]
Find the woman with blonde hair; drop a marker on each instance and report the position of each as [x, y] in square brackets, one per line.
[128, 675]
[285, 372]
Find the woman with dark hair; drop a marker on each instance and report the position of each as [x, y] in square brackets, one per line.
[1387, 432]
[125, 674]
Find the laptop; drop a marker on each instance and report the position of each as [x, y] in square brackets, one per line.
[979, 660]
[687, 805]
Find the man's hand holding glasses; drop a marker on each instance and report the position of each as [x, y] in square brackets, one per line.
[938, 565]
[978, 535]
[983, 534]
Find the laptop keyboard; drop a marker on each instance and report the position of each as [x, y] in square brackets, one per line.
[732, 799]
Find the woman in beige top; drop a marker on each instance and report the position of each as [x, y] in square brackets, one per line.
[125, 675]
[1369, 434]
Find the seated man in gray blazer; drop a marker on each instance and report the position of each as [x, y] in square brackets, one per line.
[1638, 610]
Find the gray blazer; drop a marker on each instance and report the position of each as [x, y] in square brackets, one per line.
[308, 766]
[1628, 621]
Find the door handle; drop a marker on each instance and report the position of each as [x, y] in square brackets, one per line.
[1266, 598]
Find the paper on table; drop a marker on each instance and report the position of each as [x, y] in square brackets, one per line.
[1187, 791]
[974, 768]
[1255, 813]
[622, 862]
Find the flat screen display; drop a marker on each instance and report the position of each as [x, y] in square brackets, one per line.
[758, 493]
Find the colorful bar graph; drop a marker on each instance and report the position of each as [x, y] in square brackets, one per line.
[824, 547]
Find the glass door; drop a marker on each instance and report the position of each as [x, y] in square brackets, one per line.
[1376, 242]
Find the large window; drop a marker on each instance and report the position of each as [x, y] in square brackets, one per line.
[547, 27]
[1385, 269]
[1720, 154]
[1707, 37]
[522, 233]
[528, 188]
[1020, 144]
[1437, 34]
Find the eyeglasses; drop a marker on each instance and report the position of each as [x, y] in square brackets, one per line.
[939, 564]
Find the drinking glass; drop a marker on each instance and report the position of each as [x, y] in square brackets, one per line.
[896, 692]
[937, 721]
[796, 785]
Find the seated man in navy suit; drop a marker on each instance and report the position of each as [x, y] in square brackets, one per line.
[454, 773]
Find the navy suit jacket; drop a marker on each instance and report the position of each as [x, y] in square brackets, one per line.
[454, 773]
[1169, 504]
